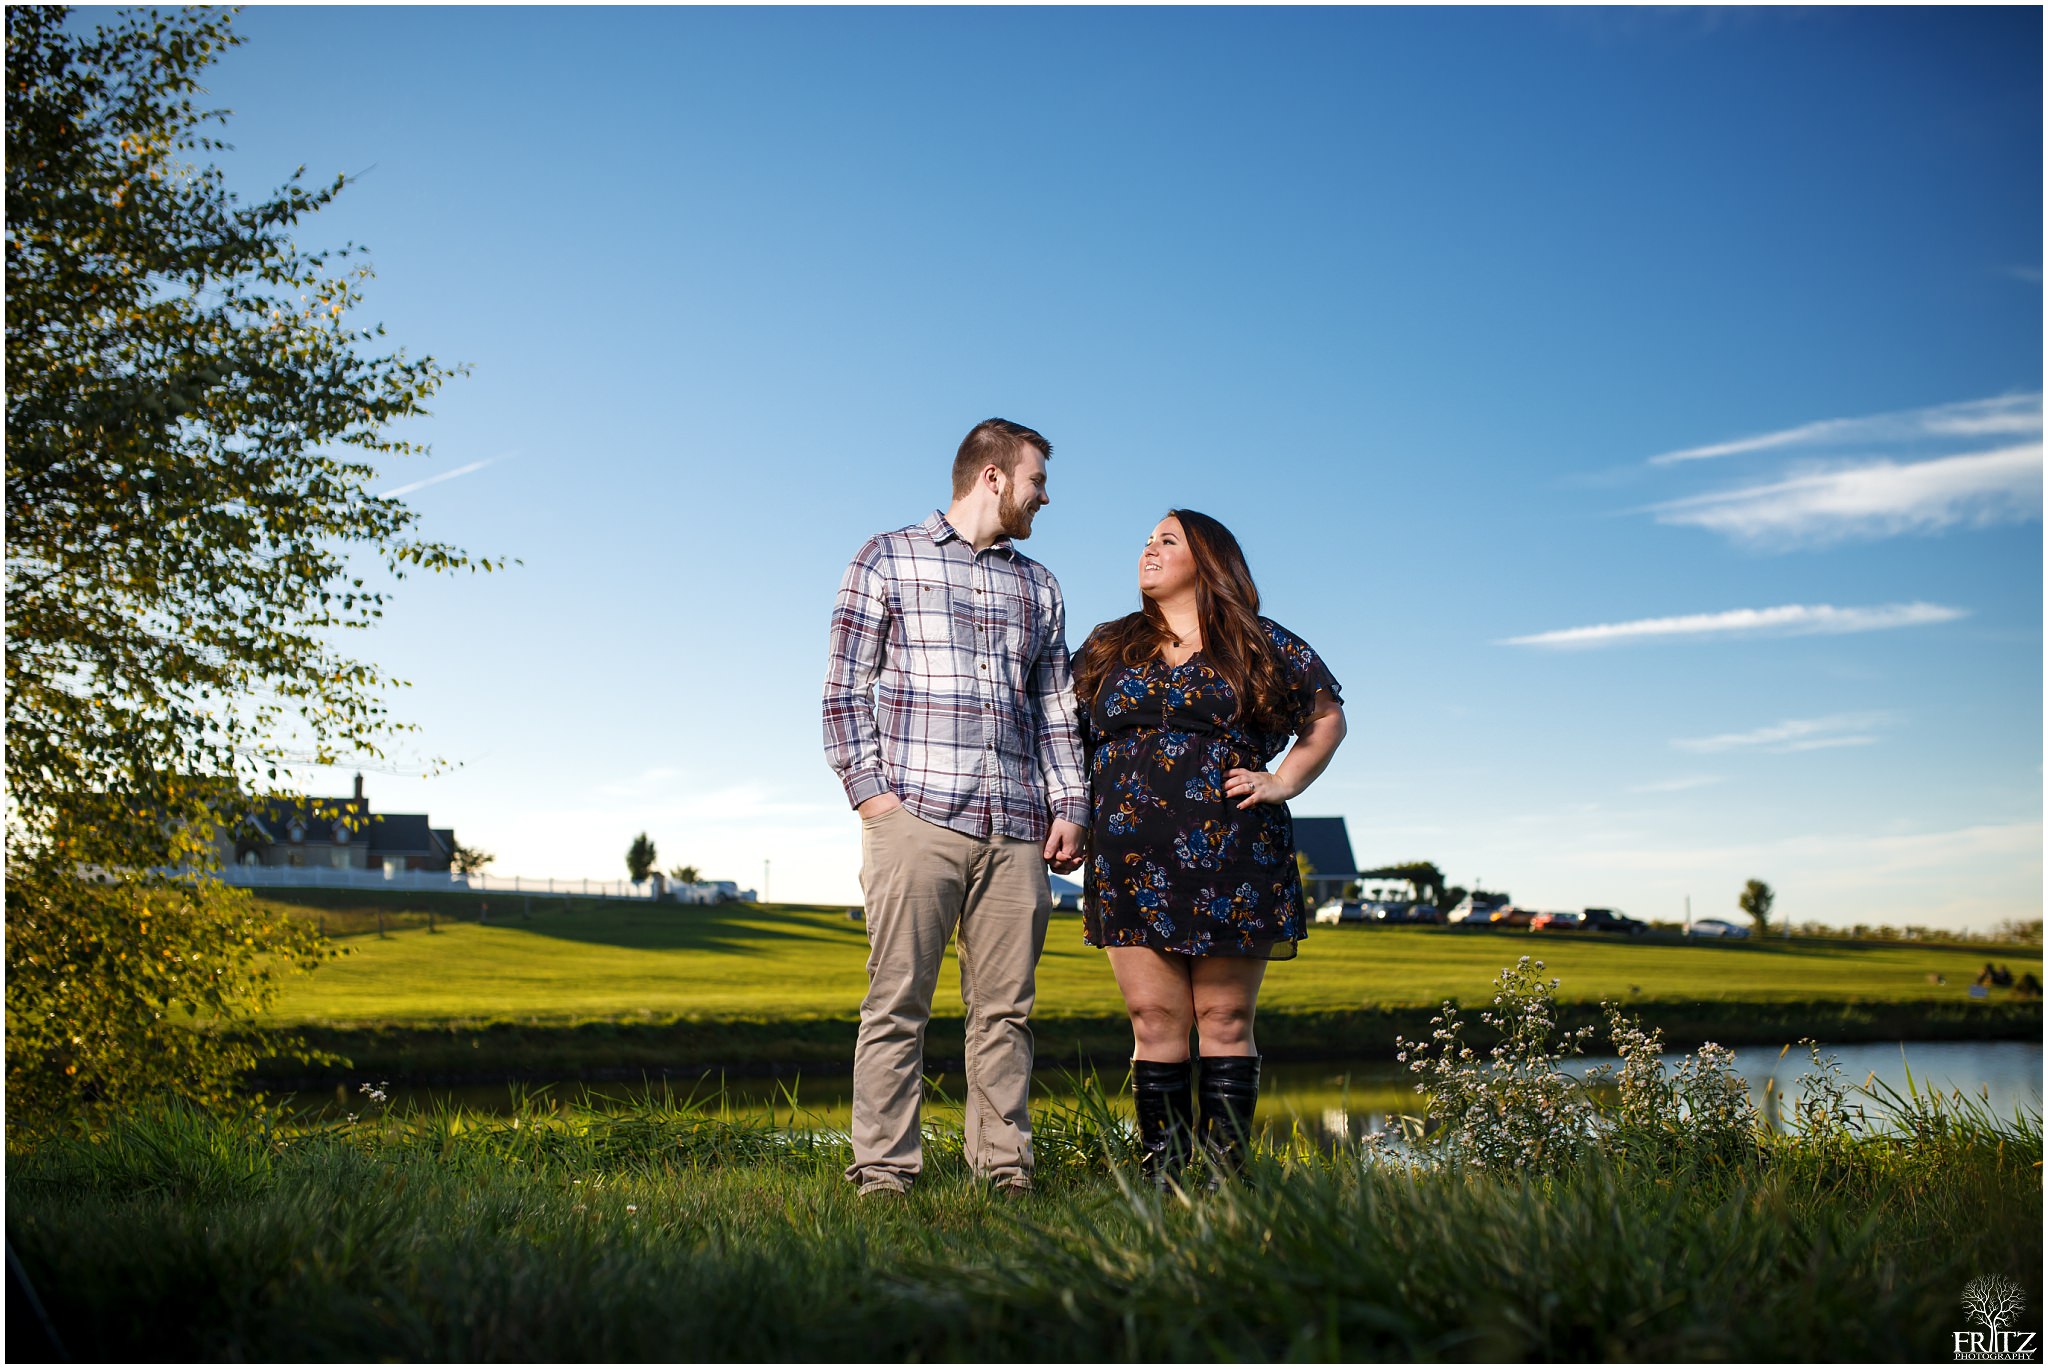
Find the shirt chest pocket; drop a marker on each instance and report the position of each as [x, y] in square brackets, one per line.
[928, 611]
[987, 625]
[1014, 620]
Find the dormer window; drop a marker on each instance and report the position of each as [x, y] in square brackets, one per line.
[298, 831]
[341, 834]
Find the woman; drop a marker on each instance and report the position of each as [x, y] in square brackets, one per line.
[1192, 883]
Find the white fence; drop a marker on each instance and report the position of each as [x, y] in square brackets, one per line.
[438, 881]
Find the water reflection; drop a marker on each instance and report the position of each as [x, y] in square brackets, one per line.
[1345, 1104]
[1323, 1104]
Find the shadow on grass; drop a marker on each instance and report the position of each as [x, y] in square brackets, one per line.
[744, 928]
[623, 923]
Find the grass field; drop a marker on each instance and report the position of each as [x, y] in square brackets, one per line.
[613, 989]
[659, 1234]
[620, 961]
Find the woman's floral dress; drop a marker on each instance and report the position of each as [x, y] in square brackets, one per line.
[1175, 864]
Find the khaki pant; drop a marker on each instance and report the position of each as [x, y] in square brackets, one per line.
[923, 881]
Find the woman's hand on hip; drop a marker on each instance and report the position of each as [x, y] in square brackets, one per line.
[1257, 786]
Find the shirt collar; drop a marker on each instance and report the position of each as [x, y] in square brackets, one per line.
[941, 531]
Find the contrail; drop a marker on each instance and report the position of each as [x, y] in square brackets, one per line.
[470, 469]
[1785, 620]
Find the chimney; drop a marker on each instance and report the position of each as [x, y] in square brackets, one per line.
[359, 786]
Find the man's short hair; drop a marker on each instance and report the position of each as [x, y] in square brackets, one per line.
[993, 442]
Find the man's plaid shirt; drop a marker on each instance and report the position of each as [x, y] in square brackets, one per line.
[949, 685]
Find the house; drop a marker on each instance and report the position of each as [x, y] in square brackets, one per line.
[339, 834]
[1326, 842]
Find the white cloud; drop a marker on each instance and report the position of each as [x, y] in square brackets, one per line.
[1795, 734]
[1847, 862]
[417, 485]
[1788, 620]
[2013, 415]
[1877, 498]
[1677, 786]
[647, 782]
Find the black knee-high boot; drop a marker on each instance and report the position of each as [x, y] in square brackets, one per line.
[1166, 1118]
[1230, 1093]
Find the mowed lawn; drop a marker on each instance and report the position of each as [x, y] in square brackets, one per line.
[647, 962]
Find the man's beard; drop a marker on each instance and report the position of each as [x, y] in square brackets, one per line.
[1014, 518]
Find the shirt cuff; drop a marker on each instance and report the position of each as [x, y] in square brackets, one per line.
[1074, 810]
[862, 785]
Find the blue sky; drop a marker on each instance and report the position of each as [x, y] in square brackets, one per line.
[1717, 332]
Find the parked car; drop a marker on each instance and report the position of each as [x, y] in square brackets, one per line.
[1477, 910]
[1390, 910]
[1608, 920]
[1341, 910]
[1511, 916]
[1557, 922]
[1714, 926]
[1426, 912]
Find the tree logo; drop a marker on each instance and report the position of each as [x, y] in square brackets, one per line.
[1993, 1301]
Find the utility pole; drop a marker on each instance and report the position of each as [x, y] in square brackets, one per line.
[766, 887]
[1688, 914]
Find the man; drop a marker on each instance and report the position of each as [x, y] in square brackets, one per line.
[949, 716]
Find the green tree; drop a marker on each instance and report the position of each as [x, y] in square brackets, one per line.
[468, 860]
[1756, 900]
[1423, 874]
[640, 858]
[685, 874]
[191, 420]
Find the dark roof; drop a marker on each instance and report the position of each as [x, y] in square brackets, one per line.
[1327, 844]
[407, 832]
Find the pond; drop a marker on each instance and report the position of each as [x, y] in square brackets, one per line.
[1324, 1102]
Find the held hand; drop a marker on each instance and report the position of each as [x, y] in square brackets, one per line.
[1257, 786]
[1066, 847]
[878, 805]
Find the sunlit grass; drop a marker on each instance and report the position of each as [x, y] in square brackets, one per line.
[660, 1230]
[625, 962]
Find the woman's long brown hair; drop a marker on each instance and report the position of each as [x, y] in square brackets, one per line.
[1233, 640]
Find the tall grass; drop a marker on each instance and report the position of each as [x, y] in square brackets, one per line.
[661, 1231]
